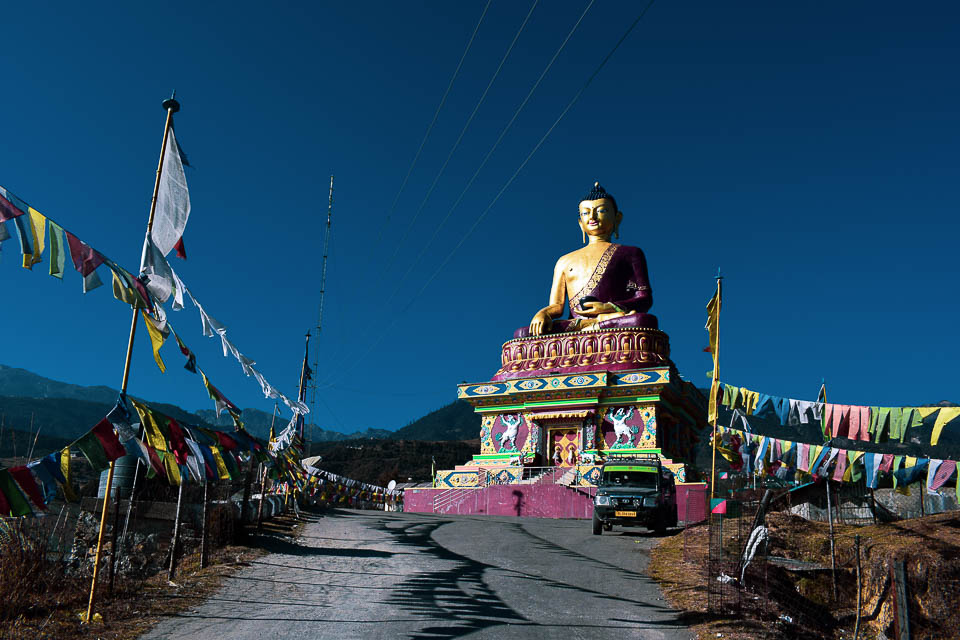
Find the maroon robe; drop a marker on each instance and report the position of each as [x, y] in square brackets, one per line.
[619, 278]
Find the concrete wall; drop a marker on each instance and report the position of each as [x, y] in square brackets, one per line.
[531, 501]
[537, 501]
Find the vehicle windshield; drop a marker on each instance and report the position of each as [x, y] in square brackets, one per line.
[632, 479]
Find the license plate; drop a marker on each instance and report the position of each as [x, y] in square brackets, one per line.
[626, 514]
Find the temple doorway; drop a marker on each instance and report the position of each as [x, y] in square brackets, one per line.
[564, 446]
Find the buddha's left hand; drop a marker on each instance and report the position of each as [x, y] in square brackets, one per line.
[596, 308]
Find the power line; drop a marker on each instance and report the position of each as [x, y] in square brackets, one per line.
[496, 198]
[463, 131]
[493, 148]
[423, 142]
[486, 158]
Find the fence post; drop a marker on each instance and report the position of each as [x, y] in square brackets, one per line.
[833, 555]
[245, 505]
[856, 627]
[263, 488]
[203, 528]
[176, 534]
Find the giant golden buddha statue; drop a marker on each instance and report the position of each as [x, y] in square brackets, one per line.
[609, 295]
[606, 283]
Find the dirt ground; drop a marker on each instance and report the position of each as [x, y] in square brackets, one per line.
[136, 605]
[800, 603]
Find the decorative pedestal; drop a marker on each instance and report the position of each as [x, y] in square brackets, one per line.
[573, 422]
[581, 351]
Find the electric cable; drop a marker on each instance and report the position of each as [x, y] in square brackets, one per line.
[483, 163]
[496, 198]
[426, 135]
[463, 131]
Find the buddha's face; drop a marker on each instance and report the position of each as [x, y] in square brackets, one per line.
[599, 218]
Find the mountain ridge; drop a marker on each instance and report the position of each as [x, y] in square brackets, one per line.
[66, 410]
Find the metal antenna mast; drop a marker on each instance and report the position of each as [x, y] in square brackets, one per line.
[323, 287]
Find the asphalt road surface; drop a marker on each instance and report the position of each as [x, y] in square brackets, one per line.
[373, 575]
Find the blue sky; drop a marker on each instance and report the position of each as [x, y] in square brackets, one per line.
[808, 151]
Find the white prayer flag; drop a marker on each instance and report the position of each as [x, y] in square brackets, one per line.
[173, 199]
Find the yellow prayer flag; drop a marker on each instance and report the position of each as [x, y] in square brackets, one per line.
[713, 330]
[69, 493]
[124, 290]
[157, 337]
[38, 230]
[171, 467]
[151, 429]
[221, 465]
[946, 415]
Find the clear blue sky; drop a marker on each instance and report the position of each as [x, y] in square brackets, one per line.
[809, 151]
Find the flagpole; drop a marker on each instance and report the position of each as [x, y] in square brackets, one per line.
[172, 106]
[713, 392]
[301, 392]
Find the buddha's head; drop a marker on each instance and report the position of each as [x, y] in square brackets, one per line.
[599, 217]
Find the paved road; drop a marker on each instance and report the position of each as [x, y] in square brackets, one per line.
[372, 575]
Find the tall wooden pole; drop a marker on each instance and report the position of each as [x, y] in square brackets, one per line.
[172, 106]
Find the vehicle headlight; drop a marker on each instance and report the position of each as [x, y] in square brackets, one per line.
[649, 502]
[603, 501]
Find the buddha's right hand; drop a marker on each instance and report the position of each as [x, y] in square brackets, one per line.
[540, 323]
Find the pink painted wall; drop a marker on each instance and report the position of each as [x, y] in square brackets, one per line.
[692, 502]
[531, 501]
[539, 501]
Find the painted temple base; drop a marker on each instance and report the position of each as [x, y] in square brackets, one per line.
[557, 430]
[581, 351]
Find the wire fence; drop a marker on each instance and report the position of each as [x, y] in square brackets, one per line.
[812, 559]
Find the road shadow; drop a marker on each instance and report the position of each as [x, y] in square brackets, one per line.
[459, 598]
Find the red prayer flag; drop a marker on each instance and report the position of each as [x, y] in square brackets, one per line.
[156, 463]
[226, 441]
[8, 211]
[180, 249]
[178, 442]
[4, 505]
[85, 257]
[108, 438]
[24, 478]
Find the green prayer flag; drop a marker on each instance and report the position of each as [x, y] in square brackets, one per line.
[231, 463]
[58, 250]
[15, 498]
[93, 450]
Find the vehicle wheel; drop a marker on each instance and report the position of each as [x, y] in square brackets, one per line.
[597, 525]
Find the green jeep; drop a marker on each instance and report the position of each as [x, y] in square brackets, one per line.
[635, 491]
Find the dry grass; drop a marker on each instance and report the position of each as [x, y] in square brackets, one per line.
[929, 547]
[53, 610]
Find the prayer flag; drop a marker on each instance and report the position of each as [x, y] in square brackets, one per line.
[158, 334]
[946, 415]
[38, 228]
[69, 493]
[220, 401]
[17, 502]
[10, 206]
[58, 250]
[157, 272]
[180, 249]
[713, 332]
[93, 451]
[173, 199]
[191, 364]
[128, 289]
[108, 438]
[85, 258]
[24, 479]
